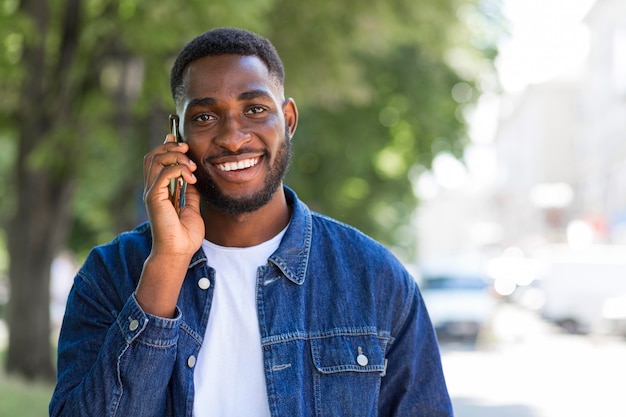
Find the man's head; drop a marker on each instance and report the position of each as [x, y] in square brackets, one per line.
[225, 41]
[228, 88]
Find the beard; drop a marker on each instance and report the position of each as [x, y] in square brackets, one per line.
[234, 205]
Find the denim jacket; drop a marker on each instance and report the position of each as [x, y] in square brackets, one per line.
[344, 331]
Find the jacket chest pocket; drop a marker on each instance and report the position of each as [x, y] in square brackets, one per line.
[349, 369]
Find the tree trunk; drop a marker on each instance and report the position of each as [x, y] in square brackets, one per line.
[39, 227]
[34, 236]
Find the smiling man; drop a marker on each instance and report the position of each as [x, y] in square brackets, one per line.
[244, 303]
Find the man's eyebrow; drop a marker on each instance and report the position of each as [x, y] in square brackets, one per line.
[251, 95]
[202, 102]
[246, 95]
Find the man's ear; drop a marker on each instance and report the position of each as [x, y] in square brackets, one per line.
[290, 111]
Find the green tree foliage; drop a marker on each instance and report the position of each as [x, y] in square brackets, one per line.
[354, 162]
[86, 94]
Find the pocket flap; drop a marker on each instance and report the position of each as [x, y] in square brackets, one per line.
[348, 352]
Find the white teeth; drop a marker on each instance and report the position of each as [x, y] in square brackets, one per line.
[234, 166]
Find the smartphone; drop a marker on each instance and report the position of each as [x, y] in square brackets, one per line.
[178, 185]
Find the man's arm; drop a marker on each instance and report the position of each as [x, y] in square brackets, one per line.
[414, 384]
[112, 365]
[117, 352]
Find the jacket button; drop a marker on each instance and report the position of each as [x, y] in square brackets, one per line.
[204, 283]
[133, 325]
[191, 361]
[362, 360]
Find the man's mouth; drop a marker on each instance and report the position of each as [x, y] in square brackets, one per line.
[238, 165]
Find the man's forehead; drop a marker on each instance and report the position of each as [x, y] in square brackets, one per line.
[237, 72]
[223, 65]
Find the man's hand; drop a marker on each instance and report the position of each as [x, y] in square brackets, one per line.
[175, 237]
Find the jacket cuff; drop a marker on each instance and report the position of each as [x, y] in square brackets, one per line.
[136, 324]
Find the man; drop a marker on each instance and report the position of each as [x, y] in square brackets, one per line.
[244, 303]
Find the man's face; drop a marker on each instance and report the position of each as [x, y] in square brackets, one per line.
[238, 127]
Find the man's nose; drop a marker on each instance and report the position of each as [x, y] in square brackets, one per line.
[232, 134]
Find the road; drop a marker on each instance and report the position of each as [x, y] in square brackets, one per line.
[523, 367]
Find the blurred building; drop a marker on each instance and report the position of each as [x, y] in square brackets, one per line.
[538, 165]
[601, 145]
[562, 147]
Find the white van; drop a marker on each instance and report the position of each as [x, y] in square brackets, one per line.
[576, 282]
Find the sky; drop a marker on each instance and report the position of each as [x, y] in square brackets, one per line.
[549, 40]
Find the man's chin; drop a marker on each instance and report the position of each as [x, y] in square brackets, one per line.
[240, 204]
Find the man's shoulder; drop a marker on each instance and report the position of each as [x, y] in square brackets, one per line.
[352, 242]
[360, 266]
[139, 236]
[337, 229]
[115, 266]
[135, 243]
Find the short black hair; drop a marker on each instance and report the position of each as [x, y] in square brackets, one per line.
[225, 41]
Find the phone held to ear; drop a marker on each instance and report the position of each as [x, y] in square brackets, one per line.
[178, 185]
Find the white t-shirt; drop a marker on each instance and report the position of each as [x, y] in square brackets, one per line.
[229, 378]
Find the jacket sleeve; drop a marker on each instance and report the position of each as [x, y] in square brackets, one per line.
[414, 384]
[112, 360]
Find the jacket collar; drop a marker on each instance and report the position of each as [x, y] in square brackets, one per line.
[292, 256]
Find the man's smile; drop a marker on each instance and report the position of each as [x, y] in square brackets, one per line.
[238, 165]
[236, 168]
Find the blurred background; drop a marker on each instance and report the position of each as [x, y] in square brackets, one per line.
[522, 251]
[480, 140]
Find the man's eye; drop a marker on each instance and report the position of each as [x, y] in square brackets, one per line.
[255, 110]
[204, 118]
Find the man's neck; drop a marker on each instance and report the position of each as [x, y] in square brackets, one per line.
[248, 229]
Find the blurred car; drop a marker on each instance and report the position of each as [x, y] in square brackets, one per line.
[459, 306]
[576, 291]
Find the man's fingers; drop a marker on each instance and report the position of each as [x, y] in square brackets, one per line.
[170, 153]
